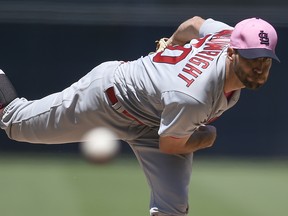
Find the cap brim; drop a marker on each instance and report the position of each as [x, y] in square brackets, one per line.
[257, 53]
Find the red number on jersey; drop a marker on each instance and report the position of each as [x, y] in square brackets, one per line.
[160, 58]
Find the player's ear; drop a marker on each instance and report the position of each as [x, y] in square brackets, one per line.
[230, 52]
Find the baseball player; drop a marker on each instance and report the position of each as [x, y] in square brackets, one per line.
[161, 104]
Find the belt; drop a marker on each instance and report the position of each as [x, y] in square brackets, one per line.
[118, 106]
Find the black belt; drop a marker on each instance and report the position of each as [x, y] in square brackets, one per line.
[118, 106]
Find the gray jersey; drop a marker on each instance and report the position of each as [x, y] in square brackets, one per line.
[180, 88]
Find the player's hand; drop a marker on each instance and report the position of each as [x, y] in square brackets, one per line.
[161, 44]
[203, 137]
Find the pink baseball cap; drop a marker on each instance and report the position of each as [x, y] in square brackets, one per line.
[254, 38]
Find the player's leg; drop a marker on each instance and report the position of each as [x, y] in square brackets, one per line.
[7, 91]
[168, 177]
[62, 117]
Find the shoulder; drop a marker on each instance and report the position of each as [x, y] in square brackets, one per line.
[179, 97]
[213, 26]
[181, 114]
[177, 103]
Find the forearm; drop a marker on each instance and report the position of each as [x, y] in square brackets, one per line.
[200, 139]
[203, 137]
[187, 31]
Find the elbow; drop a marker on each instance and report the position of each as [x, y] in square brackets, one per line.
[197, 22]
[196, 18]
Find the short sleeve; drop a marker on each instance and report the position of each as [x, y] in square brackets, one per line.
[212, 26]
[182, 114]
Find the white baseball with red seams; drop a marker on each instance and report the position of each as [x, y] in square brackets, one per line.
[100, 145]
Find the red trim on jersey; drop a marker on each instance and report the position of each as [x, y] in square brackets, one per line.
[228, 95]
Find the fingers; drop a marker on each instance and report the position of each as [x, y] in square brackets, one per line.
[161, 44]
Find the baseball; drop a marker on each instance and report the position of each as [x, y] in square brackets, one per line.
[100, 145]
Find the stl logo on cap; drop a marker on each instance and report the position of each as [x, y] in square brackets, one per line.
[254, 38]
[264, 39]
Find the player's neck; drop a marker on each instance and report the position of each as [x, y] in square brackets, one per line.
[232, 83]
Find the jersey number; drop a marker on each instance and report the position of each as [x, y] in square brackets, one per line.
[160, 58]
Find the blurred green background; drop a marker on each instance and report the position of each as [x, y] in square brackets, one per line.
[48, 185]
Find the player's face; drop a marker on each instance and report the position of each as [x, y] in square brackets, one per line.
[253, 73]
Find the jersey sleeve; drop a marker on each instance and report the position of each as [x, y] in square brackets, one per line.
[182, 114]
[212, 26]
